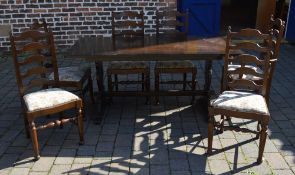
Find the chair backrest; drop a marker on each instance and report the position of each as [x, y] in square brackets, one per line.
[278, 27]
[39, 25]
[254, 54]
[28, 61]
[127, 24]
[171, 22]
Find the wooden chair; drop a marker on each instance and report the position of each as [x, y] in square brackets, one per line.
[277, 26]
[169, 26]
[78, 78]
[31, 74]
[243, 98]
[127, 25]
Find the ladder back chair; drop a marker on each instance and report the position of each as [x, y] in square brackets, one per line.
[75, 77]
[127, 26]
[169, 26]
[243, 98]
[277, 28]
[31, 74]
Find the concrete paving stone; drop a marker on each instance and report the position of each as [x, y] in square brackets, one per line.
[236, 158]
[276, 161]
[83, 160]
[37, 173]
[26, 160]
[86, 150]
[124, 140]
[173, 154]
[287, 150]
[50, 150]
[279, 139]
[269, 146]
[103, 155]
[159, 170]
[107, 138]
[80, 169]
[122, 167]
[179, 165]
[283, 172]
[219, 167]
[90, 139]
[159, 157]
[290, 160]
[104, 146]
[285, 124]
[229, 145]
[60, 169]
[139, 171]
[43, 164]
[19, 171]
[65, 156]
[140, 143]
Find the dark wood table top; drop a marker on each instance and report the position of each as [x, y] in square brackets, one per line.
[149, 49]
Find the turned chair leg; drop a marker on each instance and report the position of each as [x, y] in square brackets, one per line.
[80, 125]
[263, 135]
[258, 129]
[222, 124]
[210, 134]
[34, 137]
[27, 128]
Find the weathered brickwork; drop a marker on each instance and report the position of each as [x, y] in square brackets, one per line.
[71, 19]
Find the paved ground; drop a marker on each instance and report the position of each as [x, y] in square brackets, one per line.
[138, 139]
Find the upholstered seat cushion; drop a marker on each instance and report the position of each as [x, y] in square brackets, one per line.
[48, 98]
[128, 65]
[69, 73]
[241, 102]
[232, 67]
[174, 64]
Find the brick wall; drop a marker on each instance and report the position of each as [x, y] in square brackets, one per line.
[70, 19]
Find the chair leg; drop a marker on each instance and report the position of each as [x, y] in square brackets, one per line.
[26, 125]
[116, 82]
[210, 134]
[61, 116]
[157, 86]
[263, 135]
[184, 82]
[90, 86]
[80, 126]
[222, 124]
[34, 137]
[258, 129]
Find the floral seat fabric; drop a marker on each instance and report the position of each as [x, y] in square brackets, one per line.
[245, 76]
[69, 73]
[241, 102]
[48, 98]
[128, 65]
[174, 64]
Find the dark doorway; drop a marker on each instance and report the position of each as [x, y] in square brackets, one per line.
[238, 14]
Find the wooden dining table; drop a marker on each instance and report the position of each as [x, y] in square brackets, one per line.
[149, 48]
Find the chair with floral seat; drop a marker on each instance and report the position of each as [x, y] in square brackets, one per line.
[243, 98]
[31, 75]
[277, 28]
[128, 26]
[75, 77]
[169, 25]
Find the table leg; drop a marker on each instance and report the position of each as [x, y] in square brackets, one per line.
[100, 85]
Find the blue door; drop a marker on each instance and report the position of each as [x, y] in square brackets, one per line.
[204, 16]
[290, 33]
